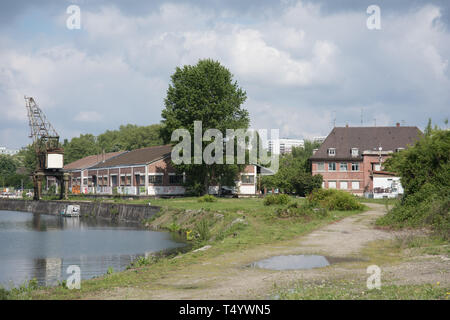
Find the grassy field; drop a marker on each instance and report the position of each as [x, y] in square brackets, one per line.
[355, 290]
[231, 225]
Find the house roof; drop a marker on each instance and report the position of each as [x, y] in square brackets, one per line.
[90, 161]
[343, 139]
[136, 157]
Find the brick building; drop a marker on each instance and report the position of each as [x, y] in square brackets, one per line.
[351, 159]
[146, 171]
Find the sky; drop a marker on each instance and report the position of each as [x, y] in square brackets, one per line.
[305, 65]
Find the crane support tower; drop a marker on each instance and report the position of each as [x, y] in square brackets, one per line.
[49, 154]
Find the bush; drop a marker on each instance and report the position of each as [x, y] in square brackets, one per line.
[207, 198]
[333, 199]
[428, 207]
[276, 199]
[202, 230]
[301, 210]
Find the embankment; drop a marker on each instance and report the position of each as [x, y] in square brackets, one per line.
[104, 210]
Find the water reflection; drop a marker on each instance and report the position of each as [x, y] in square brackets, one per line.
[43, 246]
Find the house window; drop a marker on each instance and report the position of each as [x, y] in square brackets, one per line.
[343, 185]
[399, 149]
[176, 179]
[323, 184]
[122, 180]
[343, 166]
[355, 152]
[355, 185]
[355, 166]
[320, 166]
[155, 179]
[332, 184]
[332, 166]
[128, 180]
[248, 179]
[376, 167]
[332, 152]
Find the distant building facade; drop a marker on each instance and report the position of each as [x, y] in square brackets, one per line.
[319, 139]
[6, 151]
[282, 146]
[351, 159]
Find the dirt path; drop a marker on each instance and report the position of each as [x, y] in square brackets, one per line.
[229, 277]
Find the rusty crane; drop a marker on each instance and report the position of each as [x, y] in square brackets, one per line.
[49, 154]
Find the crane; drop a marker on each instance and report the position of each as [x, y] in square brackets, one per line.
[49, 154]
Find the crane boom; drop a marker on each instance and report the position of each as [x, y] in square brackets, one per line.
[44, 136]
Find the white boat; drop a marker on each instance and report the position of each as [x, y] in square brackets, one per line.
[71, 211]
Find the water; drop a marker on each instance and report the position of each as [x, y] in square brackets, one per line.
[43, 246]
[292, 262]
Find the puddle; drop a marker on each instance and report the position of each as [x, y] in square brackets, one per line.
[298, 262]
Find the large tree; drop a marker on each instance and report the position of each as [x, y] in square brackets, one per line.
[204, 92]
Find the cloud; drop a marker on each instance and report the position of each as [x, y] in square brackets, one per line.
[88, 116]
[303, 64]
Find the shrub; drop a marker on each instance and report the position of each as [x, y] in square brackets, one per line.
[207, 198]
[173, 227]
[301, 210]
[427, 207]
[202, 230]
[333, 199]
[276, 199]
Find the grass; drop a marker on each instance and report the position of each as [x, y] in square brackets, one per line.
[230, 225]
[390, 202]
[380, 253]
[357, 290]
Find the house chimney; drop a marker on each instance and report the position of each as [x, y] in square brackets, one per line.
[398, 124]
[103, 155]
[346, 125]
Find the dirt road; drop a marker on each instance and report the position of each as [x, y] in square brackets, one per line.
[228, 276]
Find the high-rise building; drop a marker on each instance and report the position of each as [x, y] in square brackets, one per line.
[11, 152]
[282, 146]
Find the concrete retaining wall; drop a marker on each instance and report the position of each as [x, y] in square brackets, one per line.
[105, 210]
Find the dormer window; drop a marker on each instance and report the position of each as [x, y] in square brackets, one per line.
[355, 152]
[331, 152]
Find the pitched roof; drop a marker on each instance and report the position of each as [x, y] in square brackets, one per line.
[137, 157]
[90, 161]
[343, 139]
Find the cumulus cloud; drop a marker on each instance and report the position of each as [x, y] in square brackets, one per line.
[302, 65]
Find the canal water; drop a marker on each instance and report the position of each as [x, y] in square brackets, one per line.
[44, 246]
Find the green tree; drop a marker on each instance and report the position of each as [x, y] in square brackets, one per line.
[294, 175]
[80, 147]
[130, 137]
[204, 92]
[27, 158]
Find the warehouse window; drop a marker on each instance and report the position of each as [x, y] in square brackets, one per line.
[176, 179]
[155, 179]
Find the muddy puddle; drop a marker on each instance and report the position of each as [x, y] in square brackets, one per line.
[298, 262]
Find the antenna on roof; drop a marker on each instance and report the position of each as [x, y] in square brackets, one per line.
[403, 122]
[334, 119]
[361, 116]
[375, 120]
